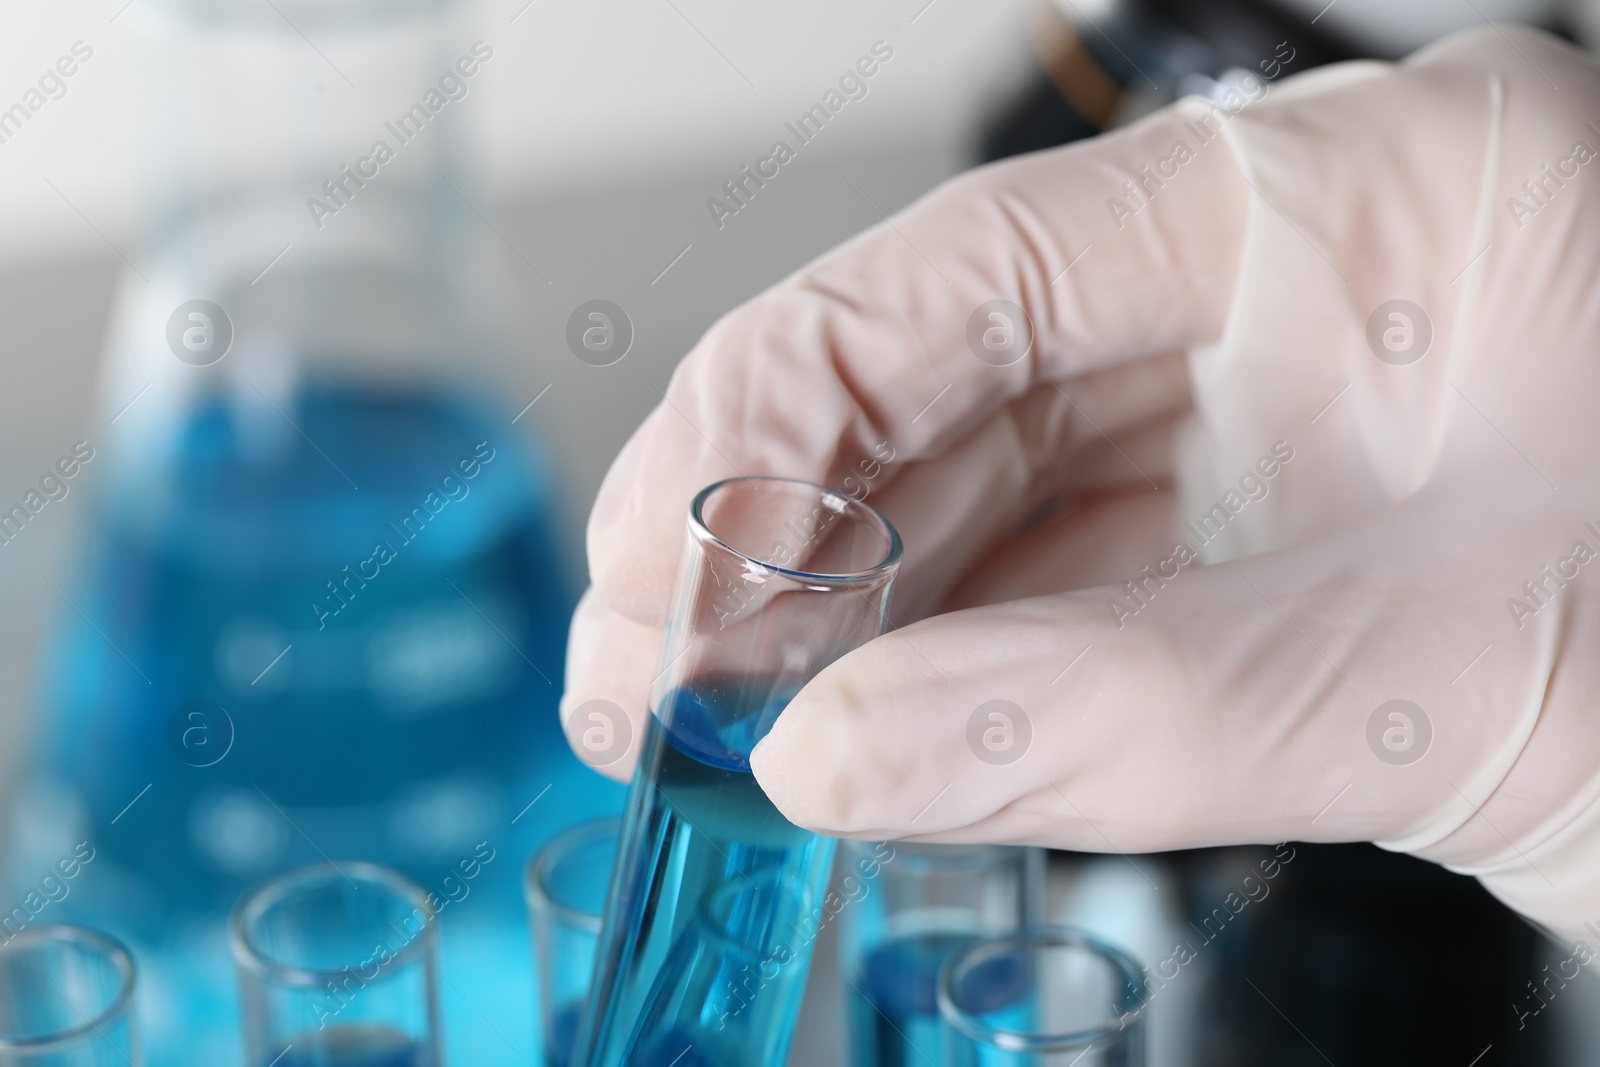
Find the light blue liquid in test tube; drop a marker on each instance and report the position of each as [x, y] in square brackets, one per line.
[923, 904]
[715, 903]
[565, 883]
[1049, 996]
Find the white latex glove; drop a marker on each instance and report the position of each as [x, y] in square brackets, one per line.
[1181, 351]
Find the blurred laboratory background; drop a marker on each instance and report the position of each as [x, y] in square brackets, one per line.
[299, 434]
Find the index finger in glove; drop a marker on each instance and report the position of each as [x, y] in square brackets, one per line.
[914, 336]
[936, 345]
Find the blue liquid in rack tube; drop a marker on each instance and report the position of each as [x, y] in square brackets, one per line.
[355, 1046]
[894, 1009]
[894, 1014]
[563, 1033]
[669, 982]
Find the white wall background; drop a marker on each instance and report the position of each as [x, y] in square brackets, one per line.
[580, 93]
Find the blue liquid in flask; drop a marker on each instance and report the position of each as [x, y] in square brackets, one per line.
[417, 683]
[669, 978]
[396, 707]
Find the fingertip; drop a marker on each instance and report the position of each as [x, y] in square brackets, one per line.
[816, 765]
[789, 774]
[602, 735]
[634, 534]
[610, 660]
[769, 762]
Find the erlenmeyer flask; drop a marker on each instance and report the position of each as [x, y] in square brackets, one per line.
[321, 611]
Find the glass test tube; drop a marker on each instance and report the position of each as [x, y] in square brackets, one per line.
[1046, 997]
[744, 942]
[66, 1000]
[780, 579]
[338, 968]
[911, 907]
[566, 884]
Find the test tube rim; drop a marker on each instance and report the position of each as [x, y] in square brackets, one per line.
[1022, 1041]
[105, 944]
[702, 532]
[556, 848]
[255, 902]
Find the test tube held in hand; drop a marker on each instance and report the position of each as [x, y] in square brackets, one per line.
[780, 578]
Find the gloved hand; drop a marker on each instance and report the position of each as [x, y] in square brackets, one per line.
[1229, 505]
